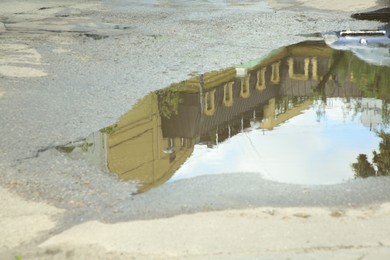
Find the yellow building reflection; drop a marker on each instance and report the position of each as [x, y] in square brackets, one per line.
[151, 141]
[136, 149]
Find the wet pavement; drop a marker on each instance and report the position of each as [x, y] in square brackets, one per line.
[68, 72]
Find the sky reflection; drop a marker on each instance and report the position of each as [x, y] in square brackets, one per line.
[303, 150]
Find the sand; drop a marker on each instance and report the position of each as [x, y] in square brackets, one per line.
[271, 233]
[22, 221]
[258, 232]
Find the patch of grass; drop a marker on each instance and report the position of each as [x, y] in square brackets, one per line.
[109, 129]
[65, 149]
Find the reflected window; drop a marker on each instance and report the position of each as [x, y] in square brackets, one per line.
[209, 109]
[275, 75]
[245, 91]
[228, 94]
[260, 84]
[298, 69]
[314, 68]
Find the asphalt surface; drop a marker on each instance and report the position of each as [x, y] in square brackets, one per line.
[97, 69]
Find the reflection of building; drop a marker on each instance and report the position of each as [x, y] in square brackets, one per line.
[263, 94]
[134, 148]
[137, 150]
[150, 142]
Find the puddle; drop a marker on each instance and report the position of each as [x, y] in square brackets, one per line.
[306, 114]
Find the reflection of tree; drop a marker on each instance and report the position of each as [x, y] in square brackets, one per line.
[281, 104]
[380, 165]
[284, 103]
[320, 109]
[168, 102]
[382, 159]
[363, 168]
[385, 114]
[371, 79]
[319, 90]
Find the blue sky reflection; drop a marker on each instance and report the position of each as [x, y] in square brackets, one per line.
[303, 150]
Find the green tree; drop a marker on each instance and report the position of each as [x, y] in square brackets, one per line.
[382, 158]
[380, 165]
[363, 168]
[168, 102]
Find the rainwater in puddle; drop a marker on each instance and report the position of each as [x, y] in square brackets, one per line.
[306, 114]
